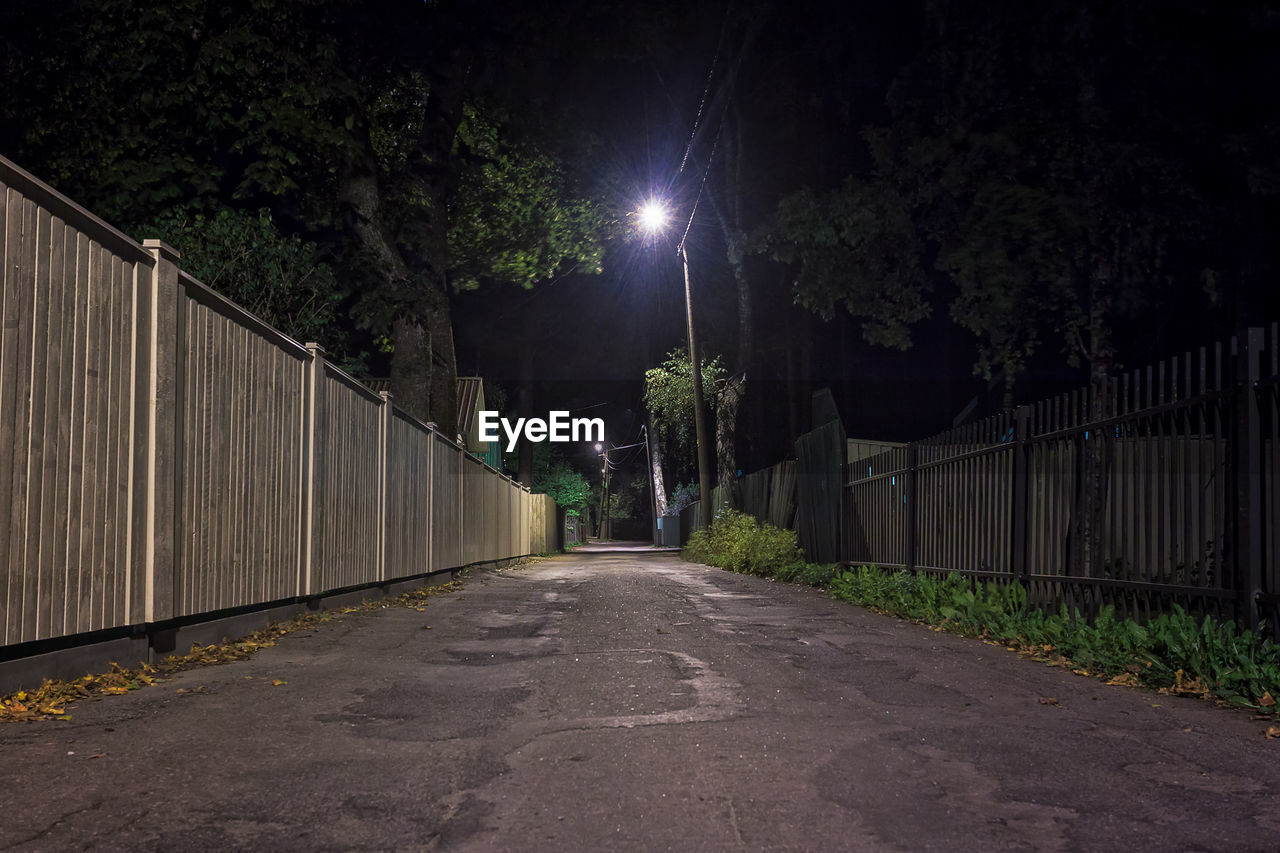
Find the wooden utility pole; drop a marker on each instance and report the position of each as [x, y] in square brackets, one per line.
[699, 418]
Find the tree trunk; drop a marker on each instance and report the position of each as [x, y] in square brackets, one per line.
[735, 252]
[655, 469]
[1095, 454]
[793, 391]
[416, 332]
[727, 404]
[427, 376]
[443, 398]
[416, 288]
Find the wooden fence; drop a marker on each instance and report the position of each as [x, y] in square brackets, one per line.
[164, 453]
[1158, 488]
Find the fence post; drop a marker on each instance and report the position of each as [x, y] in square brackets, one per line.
[310, 412]
[912, 494]
[1248, 474]
[1021, 432]
[384, 472]
[163, 446]
[431, 499]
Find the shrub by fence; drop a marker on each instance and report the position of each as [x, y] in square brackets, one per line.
[164, 453]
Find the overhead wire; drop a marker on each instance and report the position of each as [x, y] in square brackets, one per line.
[706, 93]
[715, 142]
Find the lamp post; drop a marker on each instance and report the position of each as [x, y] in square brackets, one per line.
[653, 218]
[604, 490]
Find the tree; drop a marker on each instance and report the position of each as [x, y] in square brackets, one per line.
[1053, 166]
[853, 248]
[566, 486]
[668, 396]
[282, 279]
[343, 118]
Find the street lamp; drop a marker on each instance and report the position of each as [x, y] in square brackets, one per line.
[653, 217]
[605, 532]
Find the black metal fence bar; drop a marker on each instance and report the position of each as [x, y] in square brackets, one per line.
[1267, 392]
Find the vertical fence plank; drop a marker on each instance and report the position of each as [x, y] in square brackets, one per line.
[311, 403]
[1018, 545]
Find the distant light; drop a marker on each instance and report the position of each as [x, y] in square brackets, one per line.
[653, 216]
[599, 447]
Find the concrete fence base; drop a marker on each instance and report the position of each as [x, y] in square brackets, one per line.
[27, 666]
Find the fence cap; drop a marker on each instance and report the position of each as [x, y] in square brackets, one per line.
[162, 248]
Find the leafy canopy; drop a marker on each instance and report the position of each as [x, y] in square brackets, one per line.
[668, 394]
[282, 279]
[567, 487]
[515, 218]
[853, 247]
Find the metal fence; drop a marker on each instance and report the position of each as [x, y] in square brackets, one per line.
[1158, 487]
[164, 453]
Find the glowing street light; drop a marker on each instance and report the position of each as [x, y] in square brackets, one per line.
[653, 216]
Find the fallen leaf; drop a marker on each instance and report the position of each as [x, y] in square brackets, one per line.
[1048, 700]
[426, 627]
[96, 755]
[1273, 732]
[1267, 701]
[277, 682]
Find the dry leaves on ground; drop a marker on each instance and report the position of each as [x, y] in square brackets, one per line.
[50, 700]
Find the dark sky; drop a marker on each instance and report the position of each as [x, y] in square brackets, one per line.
[592, 337]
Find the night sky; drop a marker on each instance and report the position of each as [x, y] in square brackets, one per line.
[592, 337]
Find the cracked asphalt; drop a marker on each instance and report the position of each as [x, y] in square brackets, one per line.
[636, 702]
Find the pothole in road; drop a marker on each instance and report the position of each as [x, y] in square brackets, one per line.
[624, 688]
[594, 684]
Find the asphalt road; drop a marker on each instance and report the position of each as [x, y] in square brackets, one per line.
[630, 702]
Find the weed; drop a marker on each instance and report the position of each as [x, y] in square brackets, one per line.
[739, 543]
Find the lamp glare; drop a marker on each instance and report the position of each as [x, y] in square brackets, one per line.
[653, 216]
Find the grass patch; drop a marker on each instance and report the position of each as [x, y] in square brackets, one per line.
[1174, 652]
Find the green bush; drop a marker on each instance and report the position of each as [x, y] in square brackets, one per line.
[739, 543]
